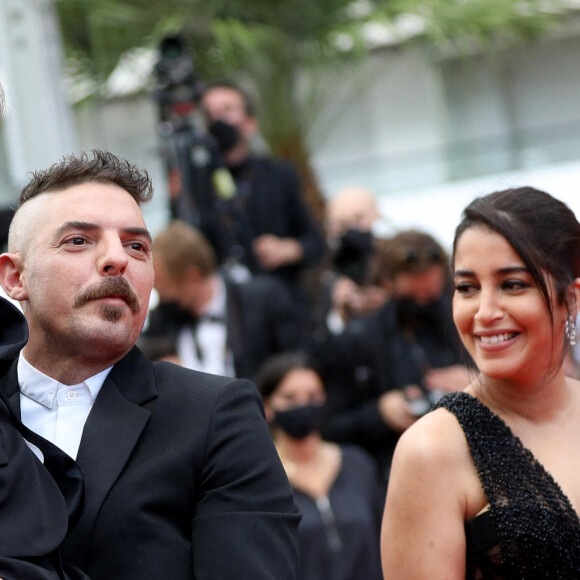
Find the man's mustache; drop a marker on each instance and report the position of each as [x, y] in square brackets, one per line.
[115, 287]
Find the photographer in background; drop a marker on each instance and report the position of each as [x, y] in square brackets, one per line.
[272, 231]
[387, 369]
[248, 206]
[348, 282]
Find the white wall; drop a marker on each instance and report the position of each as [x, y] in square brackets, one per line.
[426, 119]
[38, 125]
[128, 128]
[437, 209]
[397, 117]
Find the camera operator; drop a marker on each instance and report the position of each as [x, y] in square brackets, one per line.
[249, 207]
[274, 231]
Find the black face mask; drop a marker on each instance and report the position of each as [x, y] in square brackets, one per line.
[408, 309]
[225, 135]
[299, 422]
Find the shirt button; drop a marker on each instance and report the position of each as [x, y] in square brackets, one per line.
[71, 395]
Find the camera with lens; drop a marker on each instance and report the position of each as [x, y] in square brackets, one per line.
[352, 255]
[178, 88]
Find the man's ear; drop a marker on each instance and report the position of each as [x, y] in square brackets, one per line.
[250, 127]
[11, 276]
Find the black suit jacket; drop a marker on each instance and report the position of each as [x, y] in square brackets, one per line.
[33, 512]
[182, 480]
[373, 356]
[268, 201]
[262, 319]
[34, 506]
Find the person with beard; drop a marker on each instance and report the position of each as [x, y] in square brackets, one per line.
[181, 477]
[336, 488]
[266, 226]
[387, 369]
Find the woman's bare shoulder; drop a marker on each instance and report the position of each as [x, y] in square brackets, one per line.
[432, 487]
[437, 437]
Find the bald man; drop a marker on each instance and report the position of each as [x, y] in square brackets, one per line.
[351, 208]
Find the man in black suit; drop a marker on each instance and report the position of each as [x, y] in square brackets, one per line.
[273, 230]
[181, 477]
[218, 324]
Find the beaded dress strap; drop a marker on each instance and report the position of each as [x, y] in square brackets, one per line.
[534, 519]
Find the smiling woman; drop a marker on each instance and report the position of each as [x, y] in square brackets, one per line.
[500, 312]
[487, 486]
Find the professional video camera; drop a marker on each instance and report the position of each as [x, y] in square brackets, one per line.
[201, 188]
[353, 254]
[178, 88]
[185, 149]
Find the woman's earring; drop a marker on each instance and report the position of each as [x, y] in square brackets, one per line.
[571, 330]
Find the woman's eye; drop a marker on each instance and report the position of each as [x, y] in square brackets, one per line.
[514, 285]
[464, 288]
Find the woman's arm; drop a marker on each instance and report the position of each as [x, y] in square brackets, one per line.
[432, 488]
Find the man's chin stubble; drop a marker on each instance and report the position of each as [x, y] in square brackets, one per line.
[111, 313]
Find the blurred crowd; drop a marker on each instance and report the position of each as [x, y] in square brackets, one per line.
[343, 324]
[344, 364]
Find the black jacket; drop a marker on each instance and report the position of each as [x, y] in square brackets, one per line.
[268, 201]
[389, 349]
[182, 480]
[262, 319]
[36, 500]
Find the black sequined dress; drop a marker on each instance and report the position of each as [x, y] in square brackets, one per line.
[531, 531]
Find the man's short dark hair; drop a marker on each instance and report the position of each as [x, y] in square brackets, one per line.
[103, 167]
[249, 104]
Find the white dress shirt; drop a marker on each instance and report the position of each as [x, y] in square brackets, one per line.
[205, 348]
[57, 412]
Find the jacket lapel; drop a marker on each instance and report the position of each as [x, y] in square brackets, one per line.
[9, 386]
[235, 335]
[111, 432]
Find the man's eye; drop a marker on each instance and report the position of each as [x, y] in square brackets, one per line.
[76, 241]
[138, 246]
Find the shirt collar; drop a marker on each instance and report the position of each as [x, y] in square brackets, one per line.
[42, 388]
[217, 305]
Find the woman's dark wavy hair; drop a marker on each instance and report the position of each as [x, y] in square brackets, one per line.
[275, 368]
[102, 167]
[542, 230]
